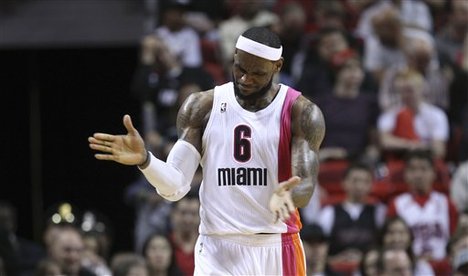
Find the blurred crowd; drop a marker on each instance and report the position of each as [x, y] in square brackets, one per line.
[391, 78]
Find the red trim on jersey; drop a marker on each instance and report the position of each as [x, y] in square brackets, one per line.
[292, 259]
[284, 147]
[284, 150]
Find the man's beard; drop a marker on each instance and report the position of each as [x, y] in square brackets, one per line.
[254, 96]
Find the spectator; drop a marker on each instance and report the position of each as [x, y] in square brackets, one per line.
[449, 39]
[439, 12]
[51, 232]
[152, 211]
[413, 14]
[92, 259]
[459, 187]
[384, 49]
[368, 264]
[204, 18]
[421, 57]
[350, 115]
[394, 262]
[329, 37]
[353, 224]
[184, 221]
[291, 31]
[330, 14]
[245, 14]
[396, 234]
[160, 256]
[316, 69]
[156, 84]
[316, 250]
[354, 13]
[183, 42]
[415, 124]
[97, 236]
[128, 264]
[67, 250]
[431, 216]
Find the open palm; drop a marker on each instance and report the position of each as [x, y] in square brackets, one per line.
[128, 149]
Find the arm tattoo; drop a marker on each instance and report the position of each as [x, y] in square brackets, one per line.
[312, 125]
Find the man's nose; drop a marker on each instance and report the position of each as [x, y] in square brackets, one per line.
[245, 79]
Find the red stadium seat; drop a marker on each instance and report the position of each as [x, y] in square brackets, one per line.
[381, 190]
[331, 174]
[212, 61]
[344, 268]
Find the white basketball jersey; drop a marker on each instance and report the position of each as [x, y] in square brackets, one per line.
[429, 223]
[240, 160]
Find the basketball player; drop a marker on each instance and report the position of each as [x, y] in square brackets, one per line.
[257, 142]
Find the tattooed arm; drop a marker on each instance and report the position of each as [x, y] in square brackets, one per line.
[308, 130]
[193, 116]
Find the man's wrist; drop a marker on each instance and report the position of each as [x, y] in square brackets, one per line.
[146, 162]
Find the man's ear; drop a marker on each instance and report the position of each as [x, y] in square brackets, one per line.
[279, 64]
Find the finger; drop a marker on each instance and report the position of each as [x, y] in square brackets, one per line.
[127, 121]
[277, 216]
[94, 141]
[103, 137]
[285, 213]
[108, 157]
[291, 183]
[290, 205]
[102, 148]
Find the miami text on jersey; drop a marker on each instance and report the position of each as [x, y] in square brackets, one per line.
[242, 176]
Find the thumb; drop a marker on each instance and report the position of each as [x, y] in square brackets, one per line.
[127, 121]
[290, 183]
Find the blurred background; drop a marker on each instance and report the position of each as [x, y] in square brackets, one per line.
[66, 67]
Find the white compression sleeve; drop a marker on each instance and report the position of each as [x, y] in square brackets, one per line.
[172, 178]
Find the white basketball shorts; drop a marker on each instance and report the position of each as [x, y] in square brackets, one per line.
[261, 254]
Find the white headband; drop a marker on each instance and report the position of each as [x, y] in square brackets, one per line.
[258, 49]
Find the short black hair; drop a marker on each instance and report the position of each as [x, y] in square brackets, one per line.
[122, 263]
[358, 165]
[264, 36]
[326, 31]
[419, 154]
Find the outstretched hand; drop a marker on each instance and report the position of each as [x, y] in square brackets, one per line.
[281, 203]
[126, 149]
